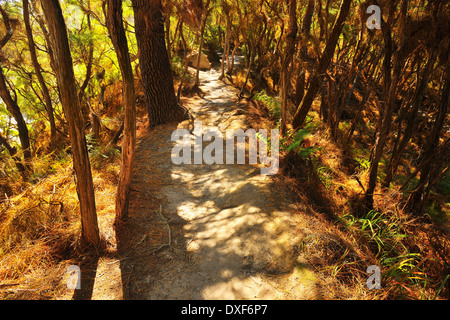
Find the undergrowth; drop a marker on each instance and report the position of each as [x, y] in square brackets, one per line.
[40, 223]
[272, 103]
[402, 276]
[410, 251]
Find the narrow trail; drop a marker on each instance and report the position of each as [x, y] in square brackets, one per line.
[212, 231]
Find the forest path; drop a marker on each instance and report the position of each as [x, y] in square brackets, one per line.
[233, 233]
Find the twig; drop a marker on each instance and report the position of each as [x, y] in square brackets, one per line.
[169, 244]
[360, 184]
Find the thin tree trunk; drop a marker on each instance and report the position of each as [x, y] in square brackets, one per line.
[37, 70]
[306, 27]
[226, 47]
[90, 58]
[14, 109]
[290, 48]
[186, 65]
[230, 66]
[48, 41]
[411, 120]
[202, 31]
[249, 69]
[418, 197]
[119, 40]
[325, 59]
[390, 87]
[66, 82]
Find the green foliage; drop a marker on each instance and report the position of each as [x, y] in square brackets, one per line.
[380, 230]
[293, 142]
[383, 233]
[326, 174]
[363, 163]
[100, 154]
[272, 103]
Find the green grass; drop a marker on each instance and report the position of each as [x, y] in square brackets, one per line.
[326, 175]
[384, 236]
[272, 103]
[100, 154]
[293, 142]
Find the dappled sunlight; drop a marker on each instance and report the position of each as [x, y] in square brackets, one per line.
[233, 232]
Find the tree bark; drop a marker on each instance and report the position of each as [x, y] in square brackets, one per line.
[119, 40]
[290, 48]
[66, 82]
[305, 31]
[157, 79]
[411, 121]
[306, 27]
[37, 70]
[431, 152]
[391, 79]
[325, 59]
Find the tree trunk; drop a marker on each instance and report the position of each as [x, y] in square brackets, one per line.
[431, 154]
[411, 120]
[14, 109]
[84, 106]
[325, 59]
[186, 65]
[72, 111]
[306, 27]
[391, 79]
[157, 79]
[230, 66]
[290, 48]
[37, 69]
[11, 104]
[249, 69]
[226, 47]
[119, 40]
[202, 31]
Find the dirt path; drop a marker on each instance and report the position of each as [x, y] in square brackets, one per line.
[212, 231]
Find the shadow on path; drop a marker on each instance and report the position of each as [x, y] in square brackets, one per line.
[213, 231]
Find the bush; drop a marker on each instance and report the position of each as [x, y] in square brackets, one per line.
[273, 104]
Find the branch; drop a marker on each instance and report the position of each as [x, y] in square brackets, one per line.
[9, 30]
